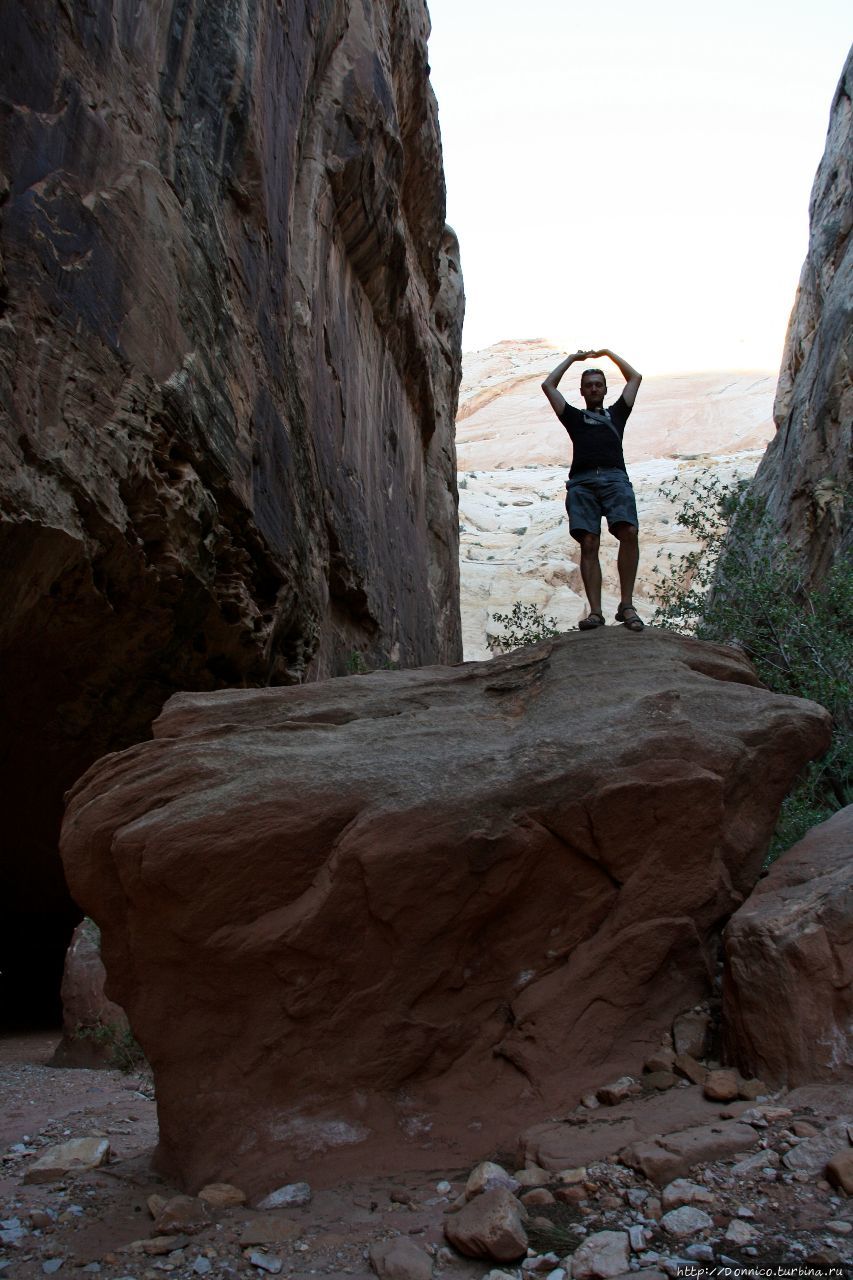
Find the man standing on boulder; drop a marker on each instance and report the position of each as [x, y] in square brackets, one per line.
[598, 482]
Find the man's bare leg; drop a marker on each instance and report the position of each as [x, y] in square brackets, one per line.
[591, 570]
[626, 562]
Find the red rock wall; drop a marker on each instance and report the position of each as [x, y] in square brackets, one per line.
[807, 468]
[229, 359]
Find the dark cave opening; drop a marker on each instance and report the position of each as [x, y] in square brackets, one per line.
[32, 955]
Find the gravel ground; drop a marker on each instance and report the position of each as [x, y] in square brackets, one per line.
[100, 1223]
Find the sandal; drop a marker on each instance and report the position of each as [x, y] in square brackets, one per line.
[590, 623]
[634, 623]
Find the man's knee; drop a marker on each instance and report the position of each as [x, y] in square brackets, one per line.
[626, 533]
[589, 543]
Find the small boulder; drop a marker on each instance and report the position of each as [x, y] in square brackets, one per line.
[682, 1191]
[264, 1261]
[803, 1129]
[221, 1195]
[400, 1259]
[489, 1226]
[811, 1155]
[290, 1196]
[686, 1221]
[754, 1164]
[537, 1196]
[839, 1170]
[658, 1080]
[187, 1214]
[721, 1086]
[532, 1176]
[686, 1065]
[741, 1233]
[604, 1255]
[662, 1059]
[76, 1156]
[750, 1090]
[610, 1095]
[488, 1176]
[690, 1032]
[571, 1195]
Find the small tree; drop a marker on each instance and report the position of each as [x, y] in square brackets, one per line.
[526, 624]
[742, 587]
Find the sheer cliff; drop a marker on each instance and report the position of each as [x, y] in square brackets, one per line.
[806, 475]
[229, 361]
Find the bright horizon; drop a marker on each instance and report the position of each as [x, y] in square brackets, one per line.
[639, 181]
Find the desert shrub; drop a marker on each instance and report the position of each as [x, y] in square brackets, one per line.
[121, 1048]
[743, 588]
[525, 624]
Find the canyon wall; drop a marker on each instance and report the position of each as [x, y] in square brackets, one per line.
[229, 360]
[806, 473]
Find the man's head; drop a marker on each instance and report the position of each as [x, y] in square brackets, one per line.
[593, 387]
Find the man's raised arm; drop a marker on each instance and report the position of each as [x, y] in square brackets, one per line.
[556, 398]
[632, 378]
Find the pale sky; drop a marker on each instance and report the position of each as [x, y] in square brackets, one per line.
[635, 175]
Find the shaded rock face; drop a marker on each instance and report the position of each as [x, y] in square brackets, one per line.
[391, 916]
[229, 359]
[807, 468]
[788, 988]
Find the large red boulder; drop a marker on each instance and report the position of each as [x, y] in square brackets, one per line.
[788, 988]
[414, 909]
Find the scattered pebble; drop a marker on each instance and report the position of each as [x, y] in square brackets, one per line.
[268, 1262]
[291, 1195]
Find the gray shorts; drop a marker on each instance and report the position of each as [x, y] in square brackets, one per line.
[607, 491]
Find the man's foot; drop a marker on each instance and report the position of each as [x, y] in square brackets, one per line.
[592, 621]
[630, 619]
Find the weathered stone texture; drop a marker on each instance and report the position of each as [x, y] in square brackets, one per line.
[229, 358]
[788, 989]
[807, 469]
[411, 910]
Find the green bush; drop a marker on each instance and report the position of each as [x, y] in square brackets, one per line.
[743, 588]
[120, 1046]
[526, 624]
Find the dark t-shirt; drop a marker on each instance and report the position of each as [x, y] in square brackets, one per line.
[593, 443]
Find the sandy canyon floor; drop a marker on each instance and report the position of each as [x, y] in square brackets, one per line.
[98, 1223]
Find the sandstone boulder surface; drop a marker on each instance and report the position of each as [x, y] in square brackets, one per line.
[806, 473]
[229, 355]
[788, 986]
[397, 911]
[489, 1226]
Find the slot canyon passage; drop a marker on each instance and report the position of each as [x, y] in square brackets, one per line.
[370, 930]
